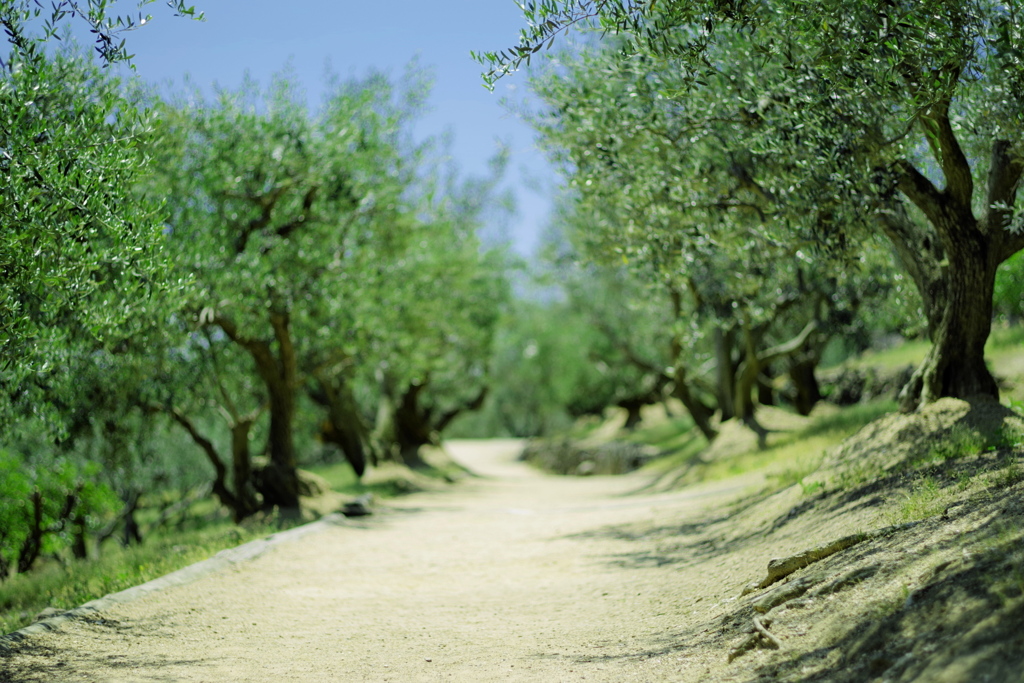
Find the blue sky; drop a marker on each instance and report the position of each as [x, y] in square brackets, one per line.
[262, 36]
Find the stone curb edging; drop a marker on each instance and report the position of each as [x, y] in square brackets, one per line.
[185, 575]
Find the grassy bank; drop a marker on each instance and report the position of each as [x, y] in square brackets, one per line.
[72, 583]
[204, 530]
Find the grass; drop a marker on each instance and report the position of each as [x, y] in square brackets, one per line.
[848, 420]
[798, 456]
[962, 441]
[1009, 475]
[925, 499]
[1004, 547]
[887, 606]
[789, 460]
[910, 352]
[1003, 340]
[668, 435]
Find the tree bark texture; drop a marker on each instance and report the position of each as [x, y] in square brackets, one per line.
[959, 296]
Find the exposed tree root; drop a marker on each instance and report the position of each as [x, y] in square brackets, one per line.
[783, 594]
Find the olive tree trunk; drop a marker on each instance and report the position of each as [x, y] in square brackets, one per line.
[278, 481]
[953, 259]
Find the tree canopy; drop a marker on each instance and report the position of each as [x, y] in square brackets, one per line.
[903, 119]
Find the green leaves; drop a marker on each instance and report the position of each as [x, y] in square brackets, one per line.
[17, 15]
[81, 256]
[335, 218]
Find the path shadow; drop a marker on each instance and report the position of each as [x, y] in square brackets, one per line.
[42, 664]
[683, 544]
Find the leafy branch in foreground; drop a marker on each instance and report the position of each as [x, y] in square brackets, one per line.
[108, 29]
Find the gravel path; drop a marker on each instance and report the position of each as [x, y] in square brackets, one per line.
[511, 576]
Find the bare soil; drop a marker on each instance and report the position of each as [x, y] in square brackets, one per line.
[513, 575]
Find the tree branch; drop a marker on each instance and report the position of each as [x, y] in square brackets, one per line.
[266, 204]
[228, 405]
[919, 190]
[220, 470]
[259, 350]
[955, 167]
[307, 206]
[788, 348]
[1004, 178]
[919, 250]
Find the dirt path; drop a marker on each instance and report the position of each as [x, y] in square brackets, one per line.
[513, 576]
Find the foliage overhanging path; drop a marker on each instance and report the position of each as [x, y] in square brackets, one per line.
[512, 576]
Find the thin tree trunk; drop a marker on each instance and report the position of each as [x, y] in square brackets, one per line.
[807, 392]
[240, 508]
[699, 412]
[245, 497]
[725, 372]
[344, 426]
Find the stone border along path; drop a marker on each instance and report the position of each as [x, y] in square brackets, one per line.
[510, 576]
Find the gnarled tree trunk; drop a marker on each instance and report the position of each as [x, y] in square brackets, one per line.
[278, 481]
[958, 290]
[955, 364]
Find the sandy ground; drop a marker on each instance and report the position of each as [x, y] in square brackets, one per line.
[510, 576]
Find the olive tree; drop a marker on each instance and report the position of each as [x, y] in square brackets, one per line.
[284, 218]
[912, 110]
[681, 192]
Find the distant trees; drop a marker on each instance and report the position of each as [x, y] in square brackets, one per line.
[893, 119]
[327, 250]
[685, 196]
[243, 271]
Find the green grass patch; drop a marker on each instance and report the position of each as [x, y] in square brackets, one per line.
[77, 582]
[790, 461]
[925, 499]
[1010, 474]
[681, 451]
[339, 476]
[910, 352]
[1009, 338]
[667, 435]
[962, 441]
[791, 457]
[848, 420]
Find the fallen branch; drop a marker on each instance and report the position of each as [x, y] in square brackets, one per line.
[780, 568]
[764, 632]
[759, 637]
